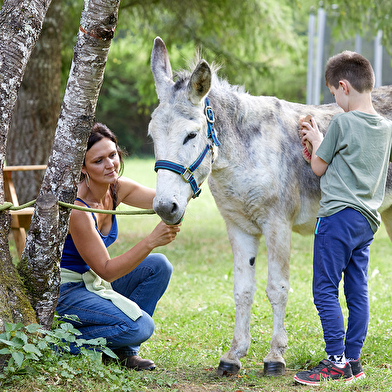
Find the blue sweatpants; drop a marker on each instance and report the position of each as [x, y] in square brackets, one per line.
[341, 245]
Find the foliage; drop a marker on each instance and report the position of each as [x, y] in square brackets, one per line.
[24, 346]
[260, 44]
[365, 17]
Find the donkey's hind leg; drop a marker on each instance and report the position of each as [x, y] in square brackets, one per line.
[278, 239]
[245, 249]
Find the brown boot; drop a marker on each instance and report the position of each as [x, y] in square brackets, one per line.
[131, 362]
[137, 363]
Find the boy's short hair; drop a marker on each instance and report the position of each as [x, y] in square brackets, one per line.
[350, 66]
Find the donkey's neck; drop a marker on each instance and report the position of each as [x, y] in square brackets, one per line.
[237, 116]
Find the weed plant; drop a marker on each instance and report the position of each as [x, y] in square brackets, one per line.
[195, 318]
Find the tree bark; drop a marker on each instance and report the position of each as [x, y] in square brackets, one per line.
[20, 25]
[37, 108]
[40, 264]
[98, 22]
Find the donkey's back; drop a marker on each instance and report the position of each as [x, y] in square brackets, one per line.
[261, 154]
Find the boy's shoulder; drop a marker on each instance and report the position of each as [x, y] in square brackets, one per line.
[345, 118]
[355, 115]
[360, 123]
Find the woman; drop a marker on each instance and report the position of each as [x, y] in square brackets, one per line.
[120, 311]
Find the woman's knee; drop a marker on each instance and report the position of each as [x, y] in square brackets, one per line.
[140, 330]
[160, 264]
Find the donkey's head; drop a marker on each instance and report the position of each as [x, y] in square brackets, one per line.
[180, 131]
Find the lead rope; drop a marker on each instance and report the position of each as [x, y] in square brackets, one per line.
[9, 206]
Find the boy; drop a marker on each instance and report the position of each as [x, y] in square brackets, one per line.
[352, 161]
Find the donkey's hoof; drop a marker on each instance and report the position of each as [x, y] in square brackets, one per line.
[227, 368]
[274, 369]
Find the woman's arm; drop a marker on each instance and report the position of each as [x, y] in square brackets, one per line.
[93, 251]
[134, 194]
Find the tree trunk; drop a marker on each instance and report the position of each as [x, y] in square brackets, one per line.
[43, 285]
[20, 25]
[37, 108]
[76, 118]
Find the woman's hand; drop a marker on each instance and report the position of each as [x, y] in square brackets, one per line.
[163, 234]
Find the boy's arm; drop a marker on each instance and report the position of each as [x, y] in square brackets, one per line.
[311, 133]
[319, 166]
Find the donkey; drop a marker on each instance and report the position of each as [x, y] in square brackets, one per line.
[250, 149]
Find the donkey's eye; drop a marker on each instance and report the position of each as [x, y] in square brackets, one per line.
[191, 136]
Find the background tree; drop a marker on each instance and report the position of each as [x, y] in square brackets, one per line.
[35, 116]
[362, 17]
[260, 44]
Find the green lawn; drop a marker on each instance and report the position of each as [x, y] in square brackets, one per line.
[195, 318]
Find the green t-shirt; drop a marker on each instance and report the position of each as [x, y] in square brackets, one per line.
[357, 148]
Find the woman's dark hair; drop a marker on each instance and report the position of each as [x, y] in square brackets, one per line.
[101, 131]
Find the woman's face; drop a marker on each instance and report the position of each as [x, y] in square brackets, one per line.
[102, 162]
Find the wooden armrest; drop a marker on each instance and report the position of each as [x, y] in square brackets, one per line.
[21, 218]
[25, 211]
[24, 168]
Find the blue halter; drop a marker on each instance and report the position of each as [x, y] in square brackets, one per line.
[187, 172]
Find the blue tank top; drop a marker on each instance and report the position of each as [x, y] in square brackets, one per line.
[71, 258]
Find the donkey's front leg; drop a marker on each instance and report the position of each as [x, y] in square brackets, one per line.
[278, 240]
[244, 247]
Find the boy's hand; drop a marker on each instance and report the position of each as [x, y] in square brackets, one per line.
[310, 132]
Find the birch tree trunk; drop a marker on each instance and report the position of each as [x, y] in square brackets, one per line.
[98, 22]
[34, 120]
[20, 25]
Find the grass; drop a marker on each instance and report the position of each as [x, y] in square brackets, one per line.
[195, 318]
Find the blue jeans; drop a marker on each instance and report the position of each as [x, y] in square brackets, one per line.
[98, 317]
[341, 245]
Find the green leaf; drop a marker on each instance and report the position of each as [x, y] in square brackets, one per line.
[31, 328]
[17, 342]
[18, 358]
[22, 336]
[4, 351]
[31, 348]
[13, 327]
[32, 356]
[109, 352]
[42, 344]
[7, 342]
[5, 336]
[96, 342]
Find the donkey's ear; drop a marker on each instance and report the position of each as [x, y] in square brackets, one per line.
[161, 68]
[200, 82]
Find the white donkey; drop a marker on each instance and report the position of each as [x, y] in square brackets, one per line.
[259, 179]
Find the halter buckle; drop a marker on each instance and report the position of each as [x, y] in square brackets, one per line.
[209, 113]
[187, 175]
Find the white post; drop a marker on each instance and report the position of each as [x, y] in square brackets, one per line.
[378, 59]
[309, 76]
[358, 43]
[319, 55]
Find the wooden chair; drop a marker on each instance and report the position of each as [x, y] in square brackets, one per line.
[20, 220]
